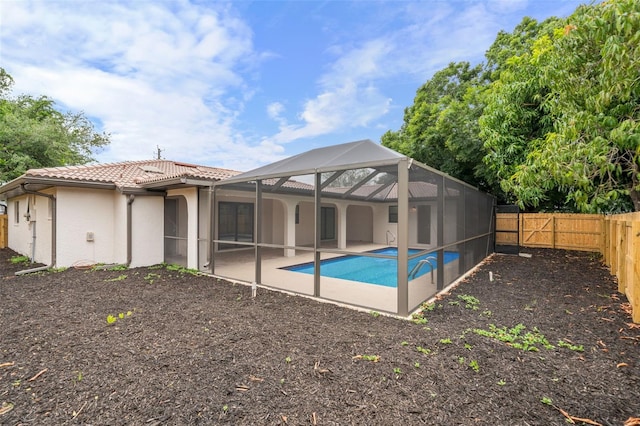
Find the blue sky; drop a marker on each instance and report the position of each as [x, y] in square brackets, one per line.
[245, 83]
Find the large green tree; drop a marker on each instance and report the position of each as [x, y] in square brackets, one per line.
[440, 129]
[584, 81]
[33, 134]
[515, 117]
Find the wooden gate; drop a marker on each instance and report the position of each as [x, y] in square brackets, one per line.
[562, 231]
[507, 229]
[4, 231]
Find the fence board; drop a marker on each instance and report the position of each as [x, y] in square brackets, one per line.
[4, 232]
[554, 230]
[623, 256]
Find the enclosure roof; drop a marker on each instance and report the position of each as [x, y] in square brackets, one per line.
[352, 155]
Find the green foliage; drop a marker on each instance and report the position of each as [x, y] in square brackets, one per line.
[34, 134]
[516, 338]
[474, 365]
[151, 277]
[440, 129]
[579, 147]
[577, 348]
[546, 400]
[470, 301]
[111, 319]
[422, 350]
[374, 314]
[20, 260]
[446, 341]
[182, 270]
[118, 278]
[118, 268]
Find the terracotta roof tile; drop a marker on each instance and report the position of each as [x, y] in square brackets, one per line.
[132, 174]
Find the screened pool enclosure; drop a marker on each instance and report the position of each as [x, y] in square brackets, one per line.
[355, 223]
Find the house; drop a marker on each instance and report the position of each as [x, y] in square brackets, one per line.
[357, 199]
[136, 213]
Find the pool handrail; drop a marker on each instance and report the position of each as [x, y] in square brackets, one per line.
[418, 266]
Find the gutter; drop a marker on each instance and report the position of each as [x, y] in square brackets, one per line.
[53, 231]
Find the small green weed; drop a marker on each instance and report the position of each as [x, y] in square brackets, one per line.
[468, 346]
[461, 360]
[118, 278]
[422, 350]
[181, 269]
[470, 301]
[405, 343]
[474, 365]
[20, 260]
[446, 341]
[515, 338]
[416, 364]
[501, 382]
[372, 358]
[56, 270]
[428, 307]
[151, 277]
[112, 319]
[397, 370]
[546, 400]
[577, 348]
[118, 268]
[288, 360]
[374, 314]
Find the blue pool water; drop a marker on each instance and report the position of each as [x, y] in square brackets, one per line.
[371, 270]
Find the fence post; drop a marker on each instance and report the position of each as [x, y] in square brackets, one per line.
[635, 276]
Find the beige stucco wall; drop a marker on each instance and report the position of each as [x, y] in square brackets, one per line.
[147, 231]
[81, 211]
[21, 230]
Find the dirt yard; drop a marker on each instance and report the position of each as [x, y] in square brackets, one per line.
[548, 340]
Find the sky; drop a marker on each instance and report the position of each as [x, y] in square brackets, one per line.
[246, 83]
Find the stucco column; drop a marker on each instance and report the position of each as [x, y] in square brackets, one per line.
[342, 226]
[289, 227]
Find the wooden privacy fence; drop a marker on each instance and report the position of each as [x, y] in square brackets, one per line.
[4, 234]
[566, 231]
[622, 255]
[616, 237]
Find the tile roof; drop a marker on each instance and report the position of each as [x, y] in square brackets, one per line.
[133, 174]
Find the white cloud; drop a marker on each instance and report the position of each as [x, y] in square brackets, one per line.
[159, 73]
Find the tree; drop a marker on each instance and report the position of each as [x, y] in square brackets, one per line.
[34, 134]
[515, 118]
[590, 143]
[440, 129]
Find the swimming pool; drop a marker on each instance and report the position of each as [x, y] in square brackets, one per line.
[370, 270]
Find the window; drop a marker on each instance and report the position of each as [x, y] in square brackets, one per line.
[16, 217]
[297, 214]
[235, 223]
[393, 214]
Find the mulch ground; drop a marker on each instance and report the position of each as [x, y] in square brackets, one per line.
[548, 340]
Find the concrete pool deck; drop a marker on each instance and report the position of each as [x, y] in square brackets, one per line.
[240, 266]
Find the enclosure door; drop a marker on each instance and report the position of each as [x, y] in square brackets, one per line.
[175, 231]
[235, 223]
[424, 224]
